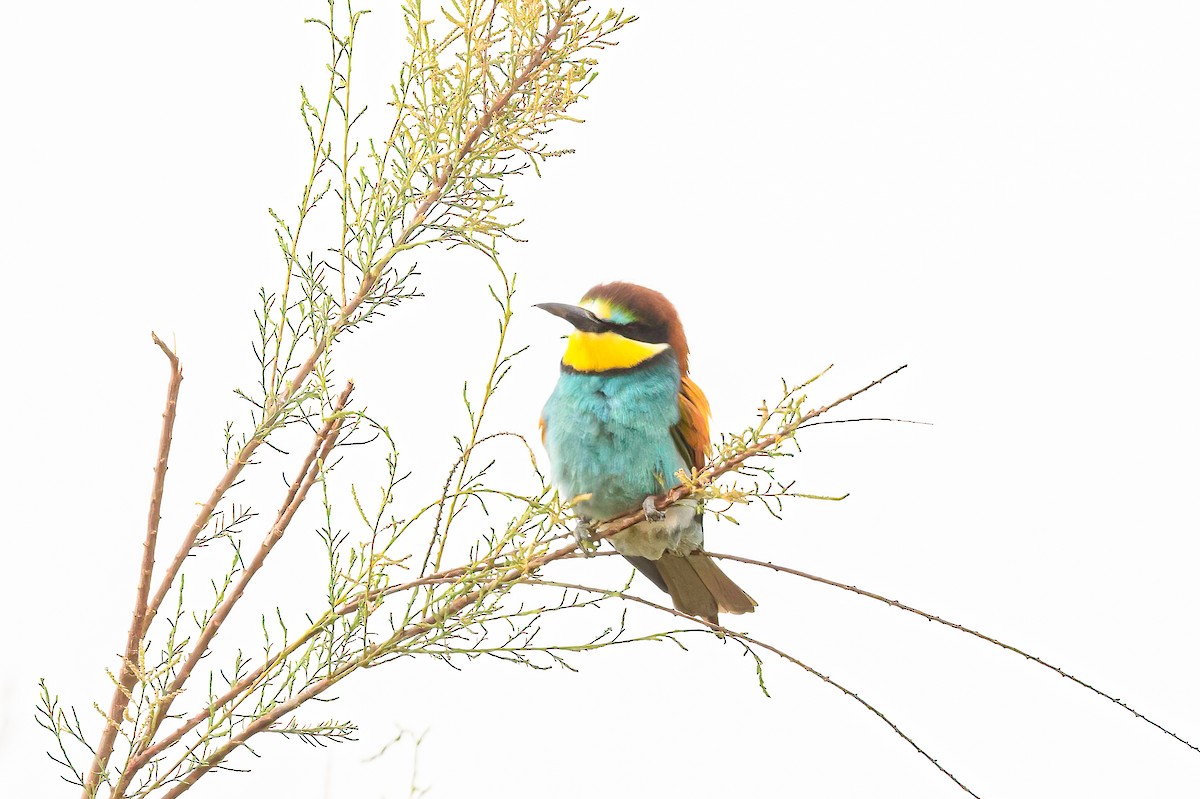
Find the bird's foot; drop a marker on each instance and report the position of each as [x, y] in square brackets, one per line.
[653, 514]
[584, 537]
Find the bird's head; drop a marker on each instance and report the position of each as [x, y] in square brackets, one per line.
[618, 326]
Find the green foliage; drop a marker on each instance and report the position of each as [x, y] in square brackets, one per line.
[482, 86]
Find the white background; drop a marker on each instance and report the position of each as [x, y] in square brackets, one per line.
[1003, 196]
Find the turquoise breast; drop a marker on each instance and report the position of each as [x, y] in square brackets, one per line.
[608, 434]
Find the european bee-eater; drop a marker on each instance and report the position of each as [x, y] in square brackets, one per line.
[622, 421]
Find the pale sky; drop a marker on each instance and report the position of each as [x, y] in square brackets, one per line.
[1003, 196]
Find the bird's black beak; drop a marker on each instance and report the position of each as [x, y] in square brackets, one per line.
[581, 318]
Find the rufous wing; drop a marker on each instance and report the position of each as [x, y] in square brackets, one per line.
[691, 433]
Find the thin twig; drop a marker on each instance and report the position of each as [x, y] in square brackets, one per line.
[318, 162]
[868, 419]
[721, 630]
[133, 642]
[536, 61]
[896, 604]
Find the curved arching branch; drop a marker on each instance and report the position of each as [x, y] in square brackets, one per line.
[748, 641]
[953, 625]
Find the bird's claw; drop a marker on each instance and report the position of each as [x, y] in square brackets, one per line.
[653, 514]
[584, 537]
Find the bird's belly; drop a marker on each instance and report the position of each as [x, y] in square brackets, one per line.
[612, 443]
[617, 467]
[618, 479]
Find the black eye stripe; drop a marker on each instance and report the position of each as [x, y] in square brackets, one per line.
[640, 331]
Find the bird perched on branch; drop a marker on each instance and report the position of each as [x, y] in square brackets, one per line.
[622, 421]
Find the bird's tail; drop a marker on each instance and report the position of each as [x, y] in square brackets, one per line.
[698, 587]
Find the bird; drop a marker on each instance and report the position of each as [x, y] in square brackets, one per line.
[622, 421]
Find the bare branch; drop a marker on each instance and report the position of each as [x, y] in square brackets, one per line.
[897, 604]
[133, 642]
[723, 631]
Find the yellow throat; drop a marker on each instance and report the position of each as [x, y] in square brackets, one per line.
[600, 352]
